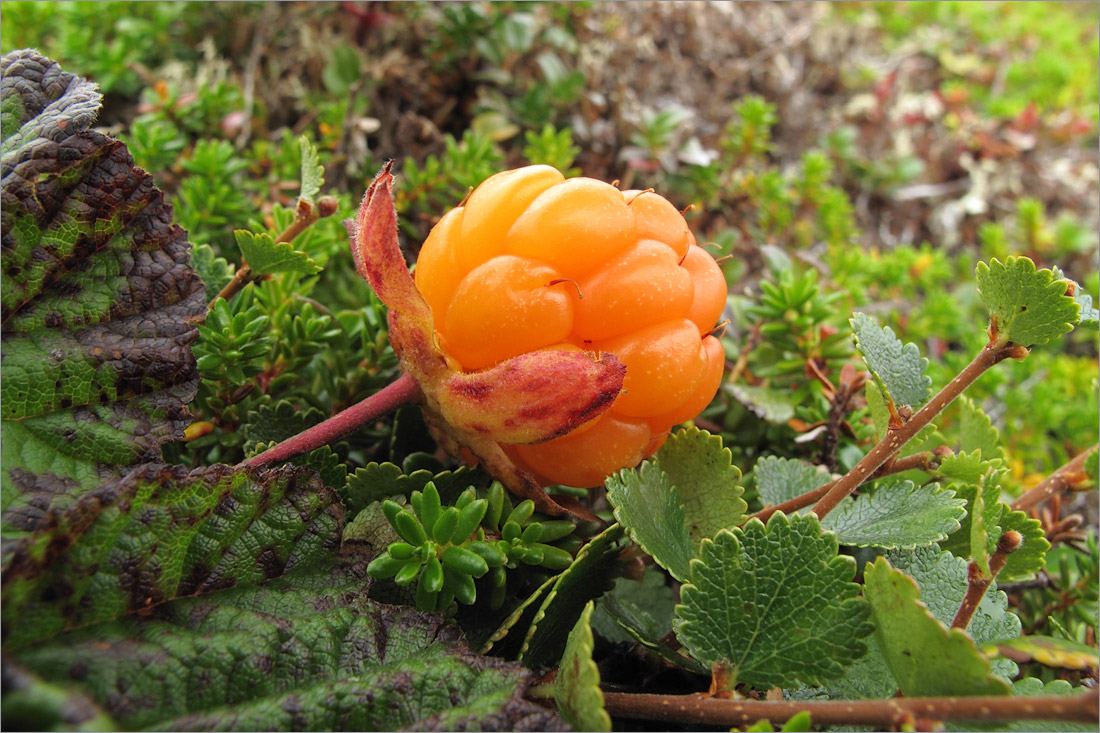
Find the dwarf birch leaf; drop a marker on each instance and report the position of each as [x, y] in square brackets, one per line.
[941, 578]
[215, 271]
[776, 603]
[377, 481]
[898, 368]
[876, 405]
[592, 572]
[780, 479]
[898, 515]
[1026, 306]
[265, 256]
[1089, 316]
[706, 480]
[647, 504]
[925, 657]
[277, 422]
[967, 468]
[769, 404]
[96, 292]
[976, 431]
[648, 603]
[577, 691]
[159, 534]
[313, 173]
[309, 651]
[1030, 557]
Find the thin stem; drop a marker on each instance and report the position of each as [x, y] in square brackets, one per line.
[1065, 478]
[978, 583]
[402, 391]
[881, 714]
[894, 439]
[923, 461]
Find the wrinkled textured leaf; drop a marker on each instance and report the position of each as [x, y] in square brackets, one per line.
[1046, 650]
[577, 691]
[159, 534]
[898, 368]
[32, 704]
[967, 468]
[867, 678]
[308, 651]
[780, 479]
[265, 256]
[897, 515]
[924, 656]
[591, 574]
[96, 291]
[769, 404]
[313, 173]
[706, 480]
[378, 481]
[1026, 306]
[941, 578]
[332, 471]
[777, 603]
[647, 504]
[277, 422]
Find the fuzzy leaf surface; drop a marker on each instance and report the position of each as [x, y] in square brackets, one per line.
[96, 292]
[308, 651]
[647, 504]
[776, 602]
[577, 691]
[162, 533]
[924, 656]
[780, 479]
[897, 515]
[898, 368]
[266, 256]
[708, 483]
[1026, 306]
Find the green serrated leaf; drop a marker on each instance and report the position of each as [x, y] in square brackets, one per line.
[967, 468]
[276, 422]
[309, 651]
[706, 480]
[776, 603]
[924, 656]
[976, 431]
[1030, 557]
[215, 271]
[1046, 650]
[648, 603]
[983, 518]
[507, 637]
[769, 404]
[1089, 316]
[159, 534]
[647, 504]
[265, 256]
[780, 479]
[577, 690]
[592, 572]
[898, 515]
[942, 579]
[1026, 306]
[378, 481]
[898, 368]
[313, 173]
[1030, 686]
[876, 405]
[97, 296]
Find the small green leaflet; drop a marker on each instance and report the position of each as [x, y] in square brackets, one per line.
[898, 368]
[968, 468]
[215, 271]
[1030, 557]
[706, 481]
[776, 603]
[976, 432]
[780, 479]
[264, 256]
[648, 603]
[1026, 306]
[1090, 316]
[926, 658]
[377, 481]
[577, 690]
[648, 505]
[769, 404]
[942, 580]
[899, 515]
[313, 173]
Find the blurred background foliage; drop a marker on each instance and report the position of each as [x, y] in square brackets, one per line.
[841, 157]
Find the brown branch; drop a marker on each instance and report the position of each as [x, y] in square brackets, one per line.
[923, 461]
[402, 391]
[990, 355]
[881, 714]
[978, 583]
[1064, 479]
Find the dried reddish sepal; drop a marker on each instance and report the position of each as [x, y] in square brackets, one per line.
[531, 398]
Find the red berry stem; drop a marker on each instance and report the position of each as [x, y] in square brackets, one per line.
[402, 391]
